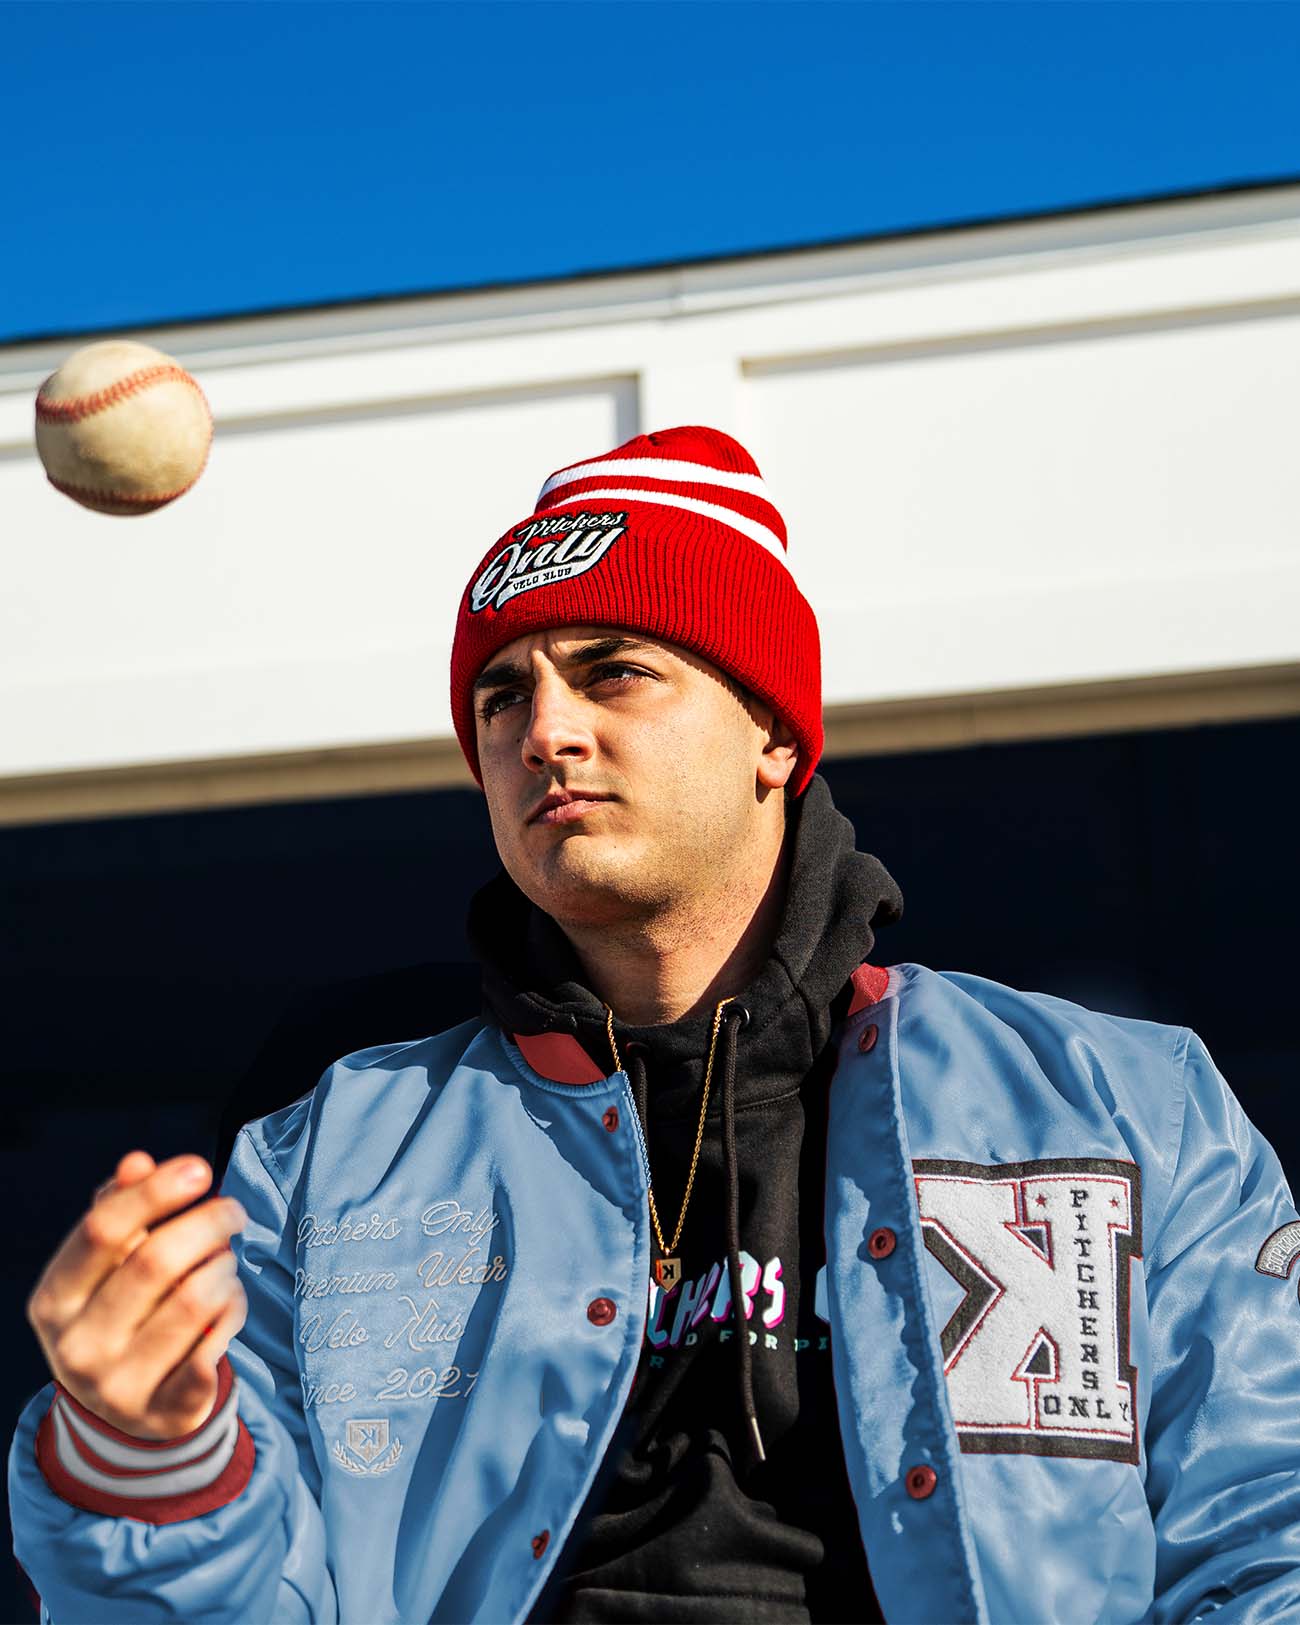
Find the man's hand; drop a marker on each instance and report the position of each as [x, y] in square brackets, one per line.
[132, 1314]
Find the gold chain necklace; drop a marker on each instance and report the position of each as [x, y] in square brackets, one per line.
[668, 1269]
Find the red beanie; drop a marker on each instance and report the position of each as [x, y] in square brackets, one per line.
[673, 535]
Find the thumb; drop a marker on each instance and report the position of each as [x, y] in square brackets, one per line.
[130, 1170]
[186, 1396]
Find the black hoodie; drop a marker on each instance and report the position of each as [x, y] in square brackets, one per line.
[684, 1522]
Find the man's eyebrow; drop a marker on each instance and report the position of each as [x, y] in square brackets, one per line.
[509, 671]
[505, 671]
[603, 648]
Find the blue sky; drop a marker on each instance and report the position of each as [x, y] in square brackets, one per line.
[160, 161]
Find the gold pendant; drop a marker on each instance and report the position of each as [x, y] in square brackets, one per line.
[668, 1271]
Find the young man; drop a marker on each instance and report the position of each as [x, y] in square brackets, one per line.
[716, 1274]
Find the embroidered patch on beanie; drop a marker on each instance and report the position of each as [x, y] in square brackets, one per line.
[544, 552]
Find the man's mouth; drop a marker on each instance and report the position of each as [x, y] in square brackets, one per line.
[566, 806]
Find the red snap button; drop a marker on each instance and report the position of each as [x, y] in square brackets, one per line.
[920, 1482]
[541, 1542]
[880, 1243]
[610, 1119]
[600, 1311]
[867, 1037]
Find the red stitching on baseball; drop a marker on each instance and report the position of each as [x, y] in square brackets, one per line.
[84, 406]
[88, 493]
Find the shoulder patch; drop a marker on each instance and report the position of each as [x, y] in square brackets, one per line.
[1280, 1252]
[1037, 1352]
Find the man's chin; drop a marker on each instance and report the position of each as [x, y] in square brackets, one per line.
[591, 881]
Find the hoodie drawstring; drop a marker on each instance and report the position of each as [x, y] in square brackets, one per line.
[637, 1077]
[735, 1018]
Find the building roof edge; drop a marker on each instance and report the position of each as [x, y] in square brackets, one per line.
[658, 267]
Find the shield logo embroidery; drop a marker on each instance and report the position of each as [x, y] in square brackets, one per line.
[367, 1439]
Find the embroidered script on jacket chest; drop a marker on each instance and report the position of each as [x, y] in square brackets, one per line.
[1036, 1348]
[417, 1311]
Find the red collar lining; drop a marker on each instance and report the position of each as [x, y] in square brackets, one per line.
[869, 984]
[559, 1057]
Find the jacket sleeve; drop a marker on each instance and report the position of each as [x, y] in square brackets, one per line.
[1223, 1431]
[235, 1534]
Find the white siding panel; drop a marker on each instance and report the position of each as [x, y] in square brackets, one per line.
[302, 594]
[1039, 511]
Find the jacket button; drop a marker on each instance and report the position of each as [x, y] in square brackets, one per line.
[881, 1242]
[600, 1311]
[867, 1037]
[920, 1482]
[610, 1119]
[541, 1542]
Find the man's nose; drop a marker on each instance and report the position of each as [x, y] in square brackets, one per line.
[557, 730]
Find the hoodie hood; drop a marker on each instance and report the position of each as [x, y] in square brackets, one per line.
[835, 898]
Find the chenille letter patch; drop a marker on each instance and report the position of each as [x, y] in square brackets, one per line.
[1036, 1344]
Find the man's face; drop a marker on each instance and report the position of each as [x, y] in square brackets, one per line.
[622, 773]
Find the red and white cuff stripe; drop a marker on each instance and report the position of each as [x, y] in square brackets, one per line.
[101, 1469]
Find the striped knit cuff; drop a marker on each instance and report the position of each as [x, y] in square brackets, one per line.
[101, 1469]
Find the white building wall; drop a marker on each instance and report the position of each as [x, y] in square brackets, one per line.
[1059, 452]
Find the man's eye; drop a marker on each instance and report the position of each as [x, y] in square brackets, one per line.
[617, 672]
[498, 702]
[615, 669]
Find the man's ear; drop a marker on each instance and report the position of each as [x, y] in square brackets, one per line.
[780, 757]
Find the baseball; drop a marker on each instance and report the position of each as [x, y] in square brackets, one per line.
[122, 428]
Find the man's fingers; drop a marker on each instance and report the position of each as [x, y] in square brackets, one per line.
[169, 1262]
[137, 1306]
[229, 1323]
[198, 1318]
[224, 1324]
[131, 1168]
[188, 1392]
[115, 1226]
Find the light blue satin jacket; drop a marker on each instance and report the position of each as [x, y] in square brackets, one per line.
[1065, 1346]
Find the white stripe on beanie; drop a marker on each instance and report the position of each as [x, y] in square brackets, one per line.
[658, 468]
[757, 532]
